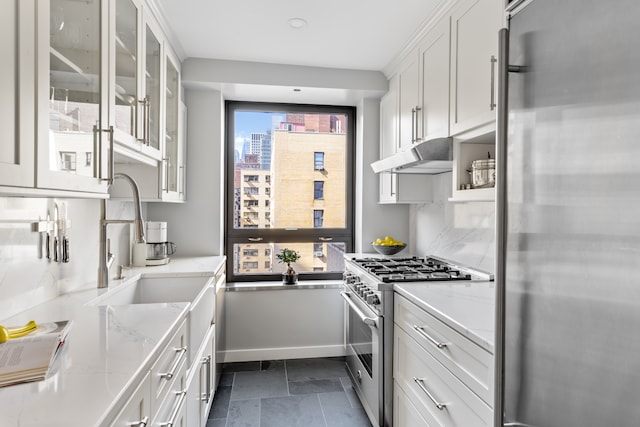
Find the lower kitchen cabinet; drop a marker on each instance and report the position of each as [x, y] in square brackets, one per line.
[201, 382]
[441, 378]
[137, 410]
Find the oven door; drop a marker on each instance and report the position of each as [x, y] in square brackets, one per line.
[364, 364]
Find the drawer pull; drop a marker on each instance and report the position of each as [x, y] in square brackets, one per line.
[180, 353]
[420, 383]
[142, 423]
[176, 409]
[420, 330]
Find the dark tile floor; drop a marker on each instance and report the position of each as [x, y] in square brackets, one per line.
[286, 393]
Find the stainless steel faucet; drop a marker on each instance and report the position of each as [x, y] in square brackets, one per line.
[106, 257]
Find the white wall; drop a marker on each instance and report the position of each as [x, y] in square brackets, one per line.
[283, 324]
[197, 225]
[373, 220]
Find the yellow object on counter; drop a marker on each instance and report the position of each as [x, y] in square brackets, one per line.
[9, 333]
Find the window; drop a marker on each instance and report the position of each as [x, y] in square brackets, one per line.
[249, 265]
[293, 137]
[67, 161]
[318, 190]
[250, 252]
[318, 161]
[87, 159]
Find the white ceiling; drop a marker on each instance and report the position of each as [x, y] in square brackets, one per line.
[350, 34]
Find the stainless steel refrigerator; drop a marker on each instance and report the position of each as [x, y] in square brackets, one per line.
[568, 273]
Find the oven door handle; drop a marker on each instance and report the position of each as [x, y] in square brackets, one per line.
[366, 320]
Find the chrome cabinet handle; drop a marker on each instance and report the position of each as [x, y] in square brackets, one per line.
[181, 186]
[180, 353]
[176, 409]
[165, 162]
[420, 330]
[492, 104]
[366, 320]
[207, 394]
[420, 383]
[98, 155]
[146, 127]
[413, 125]
[417, 138]
[142, 423]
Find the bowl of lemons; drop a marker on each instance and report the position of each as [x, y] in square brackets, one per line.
[388, 245]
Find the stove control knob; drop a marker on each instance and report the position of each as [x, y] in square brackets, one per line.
[373, 299]
[363, 291]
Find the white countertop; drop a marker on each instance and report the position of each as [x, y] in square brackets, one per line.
[467, 307]
[108, 350]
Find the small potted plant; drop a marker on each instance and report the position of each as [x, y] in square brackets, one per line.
[289, 277]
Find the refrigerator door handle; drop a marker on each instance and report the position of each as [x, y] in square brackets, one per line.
[501, 219]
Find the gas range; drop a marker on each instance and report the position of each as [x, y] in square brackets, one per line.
[414, 269]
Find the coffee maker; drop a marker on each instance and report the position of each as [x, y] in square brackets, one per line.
[158, 248]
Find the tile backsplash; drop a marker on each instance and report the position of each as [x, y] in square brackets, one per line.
[27, 277]
[463, 232]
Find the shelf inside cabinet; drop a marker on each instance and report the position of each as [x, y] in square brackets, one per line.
[466, 150]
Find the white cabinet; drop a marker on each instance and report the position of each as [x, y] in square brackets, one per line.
[474, 52]
[408, 78]
[434, 82]
[440, 374]
[163, 181]
[137, 410]
[73, 135]
[201, 382]
[17, 40]
[404, 412]
[396, 188]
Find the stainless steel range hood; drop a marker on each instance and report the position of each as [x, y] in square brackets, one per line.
[427, 157]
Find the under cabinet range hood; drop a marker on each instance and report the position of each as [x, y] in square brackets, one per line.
[427, 157]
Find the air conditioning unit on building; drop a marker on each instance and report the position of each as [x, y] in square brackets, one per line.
[318, 254]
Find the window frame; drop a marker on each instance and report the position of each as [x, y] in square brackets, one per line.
[318, 190]
[233, 236]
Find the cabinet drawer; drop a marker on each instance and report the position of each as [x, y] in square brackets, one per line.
[466, 360]
[404, 412]
[137, 409]
[172, 412]
[441, 398]
[167, 368]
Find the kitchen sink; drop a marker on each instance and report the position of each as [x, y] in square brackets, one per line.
[198, 291]
[151, 290]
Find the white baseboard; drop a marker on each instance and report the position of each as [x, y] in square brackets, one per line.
[254, 354]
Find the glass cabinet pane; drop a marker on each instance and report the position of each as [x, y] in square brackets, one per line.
[171, 127]
[74, 86]
[126, 66]
[152, 83]
[9, 83]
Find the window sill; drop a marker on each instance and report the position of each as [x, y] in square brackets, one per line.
[279, 286]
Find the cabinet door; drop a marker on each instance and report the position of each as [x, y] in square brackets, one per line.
[404, 413]
[389, 120]
[408, 98]
[73, 139]
[434, 80]
[151, 126]
[125, 97]
[17, 40]
[170, 172]
[474, 29]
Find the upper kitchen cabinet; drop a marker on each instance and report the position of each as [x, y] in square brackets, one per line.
[17, 41]
[408, 99]
[474, 52]
[135, 106]
[73, 133]
[393, 187]
[167, 182]
[434, 82]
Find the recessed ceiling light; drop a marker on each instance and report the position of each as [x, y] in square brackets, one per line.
[297, 23]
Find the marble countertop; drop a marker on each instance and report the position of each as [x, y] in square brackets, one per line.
[108, 351]
[468, 307]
